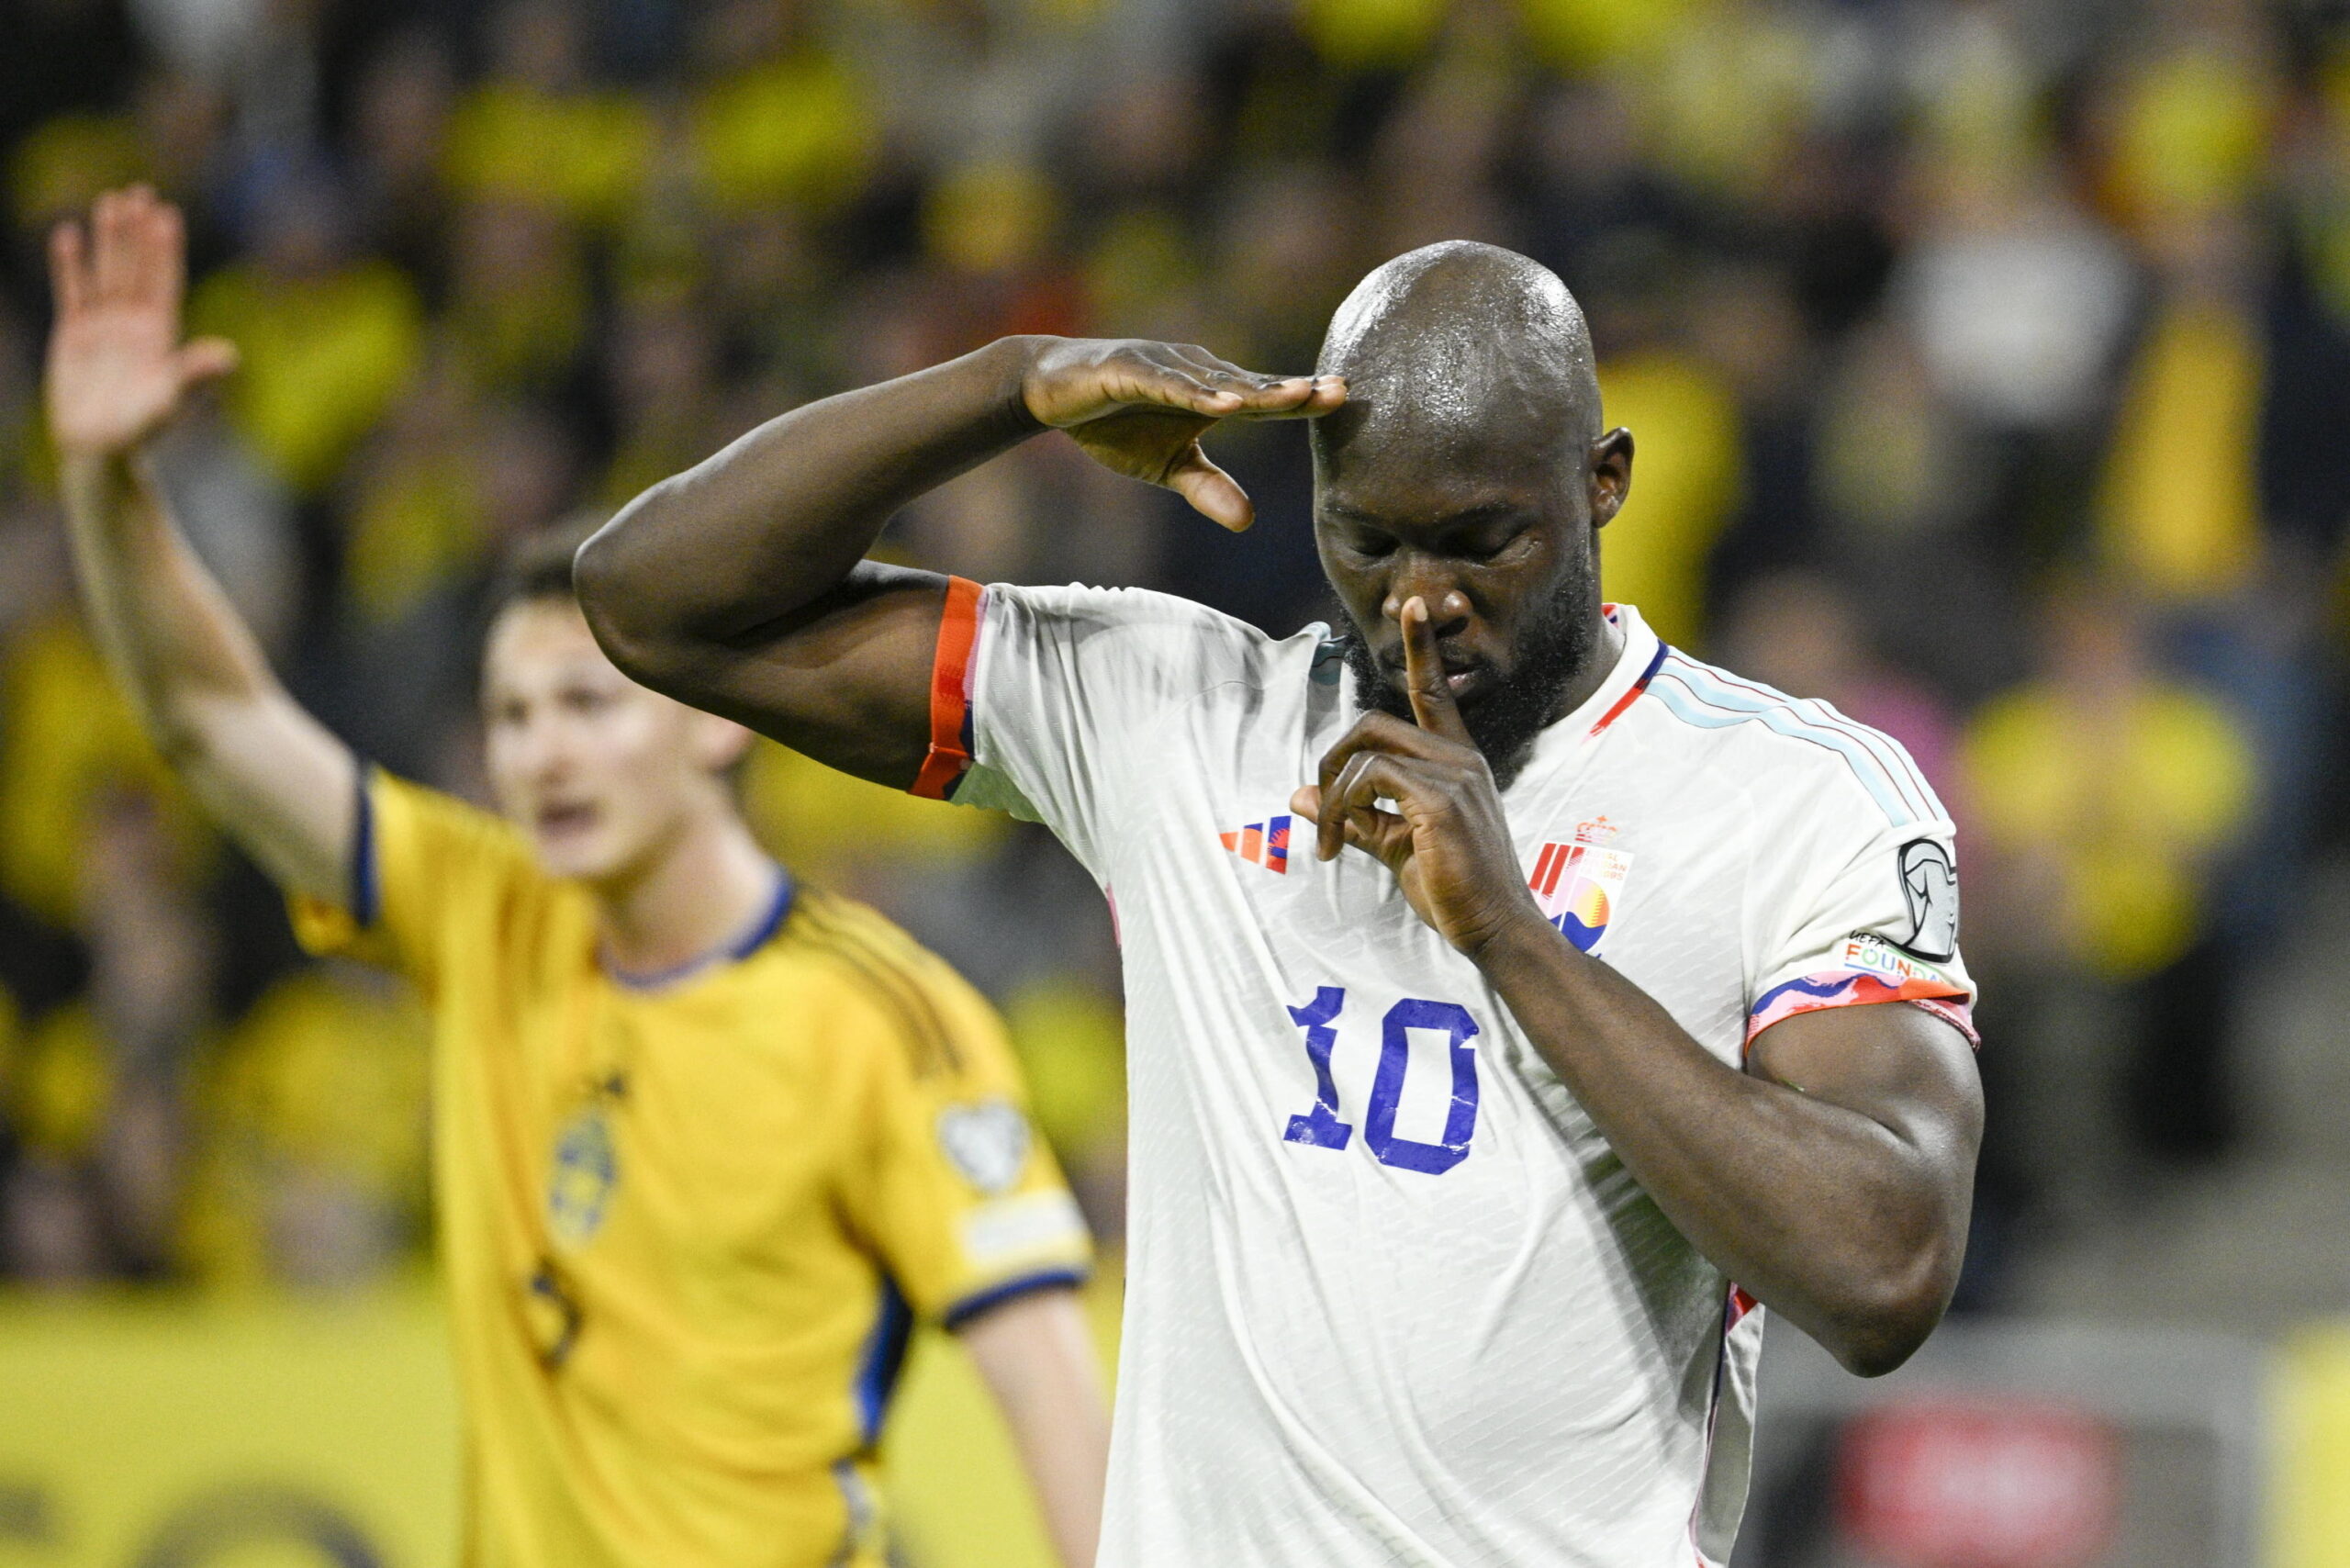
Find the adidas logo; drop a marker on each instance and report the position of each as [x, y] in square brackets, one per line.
[1265, 844]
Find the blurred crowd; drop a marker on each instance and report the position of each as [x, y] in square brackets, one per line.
[1989, 362]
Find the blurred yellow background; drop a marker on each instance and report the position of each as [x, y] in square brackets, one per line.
[268, 1433]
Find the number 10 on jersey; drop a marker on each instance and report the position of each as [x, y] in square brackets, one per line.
[1321, 1126]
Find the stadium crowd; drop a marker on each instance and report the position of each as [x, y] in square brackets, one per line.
[1986, 361]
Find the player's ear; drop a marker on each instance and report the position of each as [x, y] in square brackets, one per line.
[719, 744]
[1611, 474]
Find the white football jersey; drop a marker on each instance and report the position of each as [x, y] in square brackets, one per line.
[1391, 1299]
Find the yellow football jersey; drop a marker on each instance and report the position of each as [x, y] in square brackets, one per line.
[687, 1226]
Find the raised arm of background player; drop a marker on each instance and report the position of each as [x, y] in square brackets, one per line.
[740, 586]
[1833, 1179]
[284, 787]
[269, 773]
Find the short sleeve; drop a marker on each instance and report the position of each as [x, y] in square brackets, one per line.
[1043, 699]
[416, 854]
[962, 1200]
[1855, 905]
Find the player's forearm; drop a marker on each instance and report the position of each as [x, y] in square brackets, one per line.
[1037, 1355]
[1820, 1211]
[197, 679]
[700, 563]
[169, 635]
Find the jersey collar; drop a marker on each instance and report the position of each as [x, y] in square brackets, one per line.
[1635, 665]
[753, 937]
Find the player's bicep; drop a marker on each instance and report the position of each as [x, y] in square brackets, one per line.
[845, 679]
[1910, 1072]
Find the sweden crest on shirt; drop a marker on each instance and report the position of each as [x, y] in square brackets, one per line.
[586, 1170]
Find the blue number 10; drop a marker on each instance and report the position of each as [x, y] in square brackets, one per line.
[1321, 1127]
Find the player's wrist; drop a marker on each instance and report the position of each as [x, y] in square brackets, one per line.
[96, 469]
[1019, 359]
[1517, 937]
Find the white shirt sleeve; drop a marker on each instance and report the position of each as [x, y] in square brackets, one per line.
[1068, 690]
[1853, 904]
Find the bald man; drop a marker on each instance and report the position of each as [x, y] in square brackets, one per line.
[1466, 1140]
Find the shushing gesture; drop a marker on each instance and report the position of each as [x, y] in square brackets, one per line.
[117, 371]
[1447, 840]
[1139, 409]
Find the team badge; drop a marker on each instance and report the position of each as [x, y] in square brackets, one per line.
[988, 1142]
[587, 1169]
[1930, 886]
[1578, 885]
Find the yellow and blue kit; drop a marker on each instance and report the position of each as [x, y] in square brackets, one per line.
[687, 1224]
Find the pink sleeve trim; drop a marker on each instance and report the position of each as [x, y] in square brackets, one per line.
[1842, 988]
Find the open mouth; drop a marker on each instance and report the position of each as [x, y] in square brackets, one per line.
[565, 819]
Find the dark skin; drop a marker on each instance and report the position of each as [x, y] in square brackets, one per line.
[1831, 1178]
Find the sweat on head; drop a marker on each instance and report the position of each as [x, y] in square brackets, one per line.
[1472, 400]
[1455, 349]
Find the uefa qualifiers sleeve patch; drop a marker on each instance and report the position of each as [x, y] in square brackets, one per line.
[986, 1142]
[1929, 888]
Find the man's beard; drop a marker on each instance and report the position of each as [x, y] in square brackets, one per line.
[1559, 641]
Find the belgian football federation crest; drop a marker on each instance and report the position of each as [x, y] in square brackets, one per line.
[579, 1188]
[1578, 885]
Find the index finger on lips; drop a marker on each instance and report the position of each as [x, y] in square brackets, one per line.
[1424, 681]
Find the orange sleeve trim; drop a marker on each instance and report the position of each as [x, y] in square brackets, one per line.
[950, 692]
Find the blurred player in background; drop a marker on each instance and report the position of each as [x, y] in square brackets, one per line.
[1452, 1132]
[706, 1142]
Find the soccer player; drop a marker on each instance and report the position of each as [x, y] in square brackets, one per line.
[1495, 974]
[705, 1142]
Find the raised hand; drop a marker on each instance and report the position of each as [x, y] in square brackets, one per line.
[1139, 409]
[1447, 842]
[118, 371]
